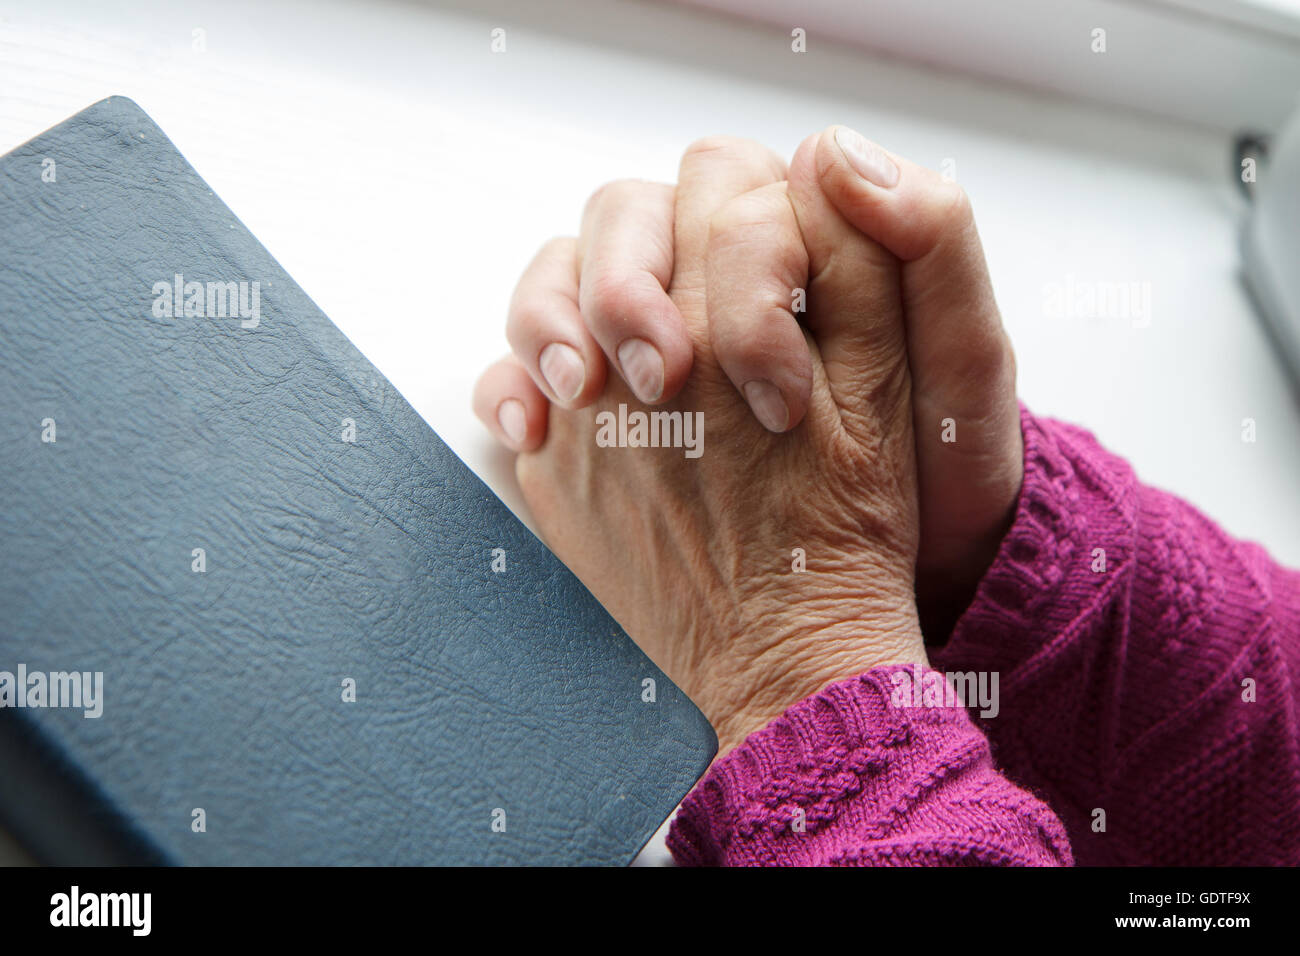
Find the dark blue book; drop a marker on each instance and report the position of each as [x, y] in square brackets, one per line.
[252, 609]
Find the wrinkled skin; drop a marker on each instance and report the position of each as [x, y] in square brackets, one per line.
[694, 556]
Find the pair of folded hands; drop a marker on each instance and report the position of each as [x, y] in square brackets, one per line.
[831, 326]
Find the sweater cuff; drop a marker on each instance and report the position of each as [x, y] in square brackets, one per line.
[882, 769]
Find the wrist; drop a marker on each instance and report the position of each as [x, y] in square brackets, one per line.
[795, 655]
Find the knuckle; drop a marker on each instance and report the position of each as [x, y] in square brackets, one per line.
[749, 351]
[732, 150]
[525, 321]
[714, 144]
[765, 341]
[610, 300]
[746, 223]
[615, 193]
[734, 225]
[987, 362]
[752, 229]
[595, 199]
[557, 247]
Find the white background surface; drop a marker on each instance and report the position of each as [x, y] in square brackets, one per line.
[1230, 64]
[404, 175]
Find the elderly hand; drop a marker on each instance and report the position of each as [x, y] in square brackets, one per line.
[965, 414]
[699, 557]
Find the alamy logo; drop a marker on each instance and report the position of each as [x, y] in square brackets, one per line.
[956, 689]
[1087, 299]
[76, 690]
[75, 908]
[208, 300]
[651, 430]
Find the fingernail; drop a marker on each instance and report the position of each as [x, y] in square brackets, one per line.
[563, 370]
[768, 405]
[643, 368]
[513, 420]
[866, 158]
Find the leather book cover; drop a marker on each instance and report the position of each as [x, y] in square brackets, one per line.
[252, 609]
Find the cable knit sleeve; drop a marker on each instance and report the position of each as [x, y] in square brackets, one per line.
[1148, 666]
[868, 772]
[1144, 666]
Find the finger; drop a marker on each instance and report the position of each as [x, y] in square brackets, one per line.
[757, 269]
[962, 364]
[854, 310]
[509, 403]
[626, 253]
[546, 331]
[955, 336]
[713, 170]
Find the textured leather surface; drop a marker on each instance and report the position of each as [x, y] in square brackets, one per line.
[325, 560]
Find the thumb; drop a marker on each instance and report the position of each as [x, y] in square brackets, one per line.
[854, 313]
[959, 354]
[967, 420]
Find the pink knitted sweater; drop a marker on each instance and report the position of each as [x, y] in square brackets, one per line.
[1144, 711]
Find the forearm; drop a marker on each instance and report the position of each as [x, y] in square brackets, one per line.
[1146, 664]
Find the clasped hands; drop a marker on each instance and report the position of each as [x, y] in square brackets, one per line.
[831, 327]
